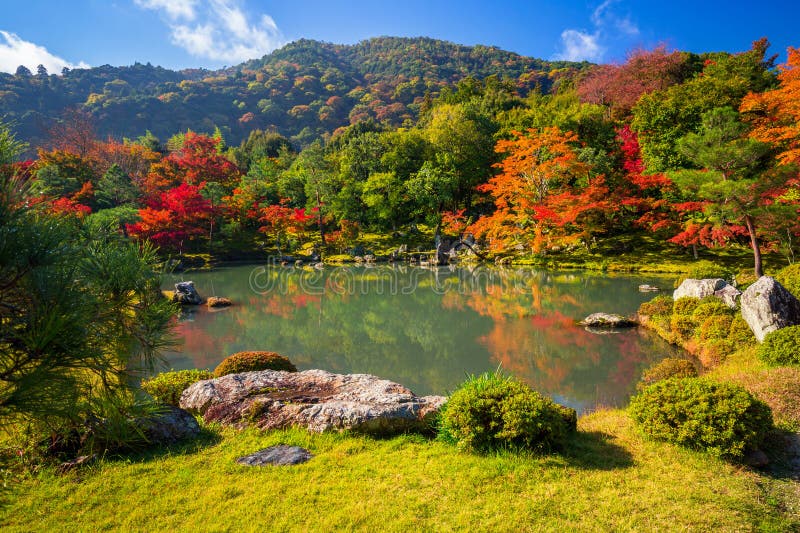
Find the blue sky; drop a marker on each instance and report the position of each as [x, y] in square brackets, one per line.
[213, 33]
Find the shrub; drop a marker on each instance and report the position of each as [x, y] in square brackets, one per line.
[167, 387]
[682, 326]
[252, 361]
[671, 367]
[740, 333]
[715, 327]
[685, 306]
[781, 347]
[708, 307]
[789, 277]
[720, 418]
[658, 306]
[491, 411]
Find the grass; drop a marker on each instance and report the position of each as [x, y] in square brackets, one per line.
[609, 479]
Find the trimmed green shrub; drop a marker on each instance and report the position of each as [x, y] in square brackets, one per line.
[682, 326]
[253, 361]
[781, 347]
[720, 418]
[715, 327]
[685, 306]
[658, 306]
[167, 387]
[671, 367]
[789, 277]
[740, 333]
[491, 411]
[708, 307]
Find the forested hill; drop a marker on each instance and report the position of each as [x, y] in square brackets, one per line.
[302, 90]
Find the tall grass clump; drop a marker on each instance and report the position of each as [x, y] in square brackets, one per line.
[492, 411]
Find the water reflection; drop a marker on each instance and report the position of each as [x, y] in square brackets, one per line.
[428, 328]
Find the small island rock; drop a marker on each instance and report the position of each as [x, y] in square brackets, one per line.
[186, 294]
[607, 320]
[648, 288]
[218, 301]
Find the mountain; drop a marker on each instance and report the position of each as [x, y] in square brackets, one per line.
[303, 90]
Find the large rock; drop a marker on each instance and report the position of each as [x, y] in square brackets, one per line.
[314, 399]
[729, 295]
[767, 306]
[607, 320]
[186, 294]
[170, 426]
[698, 288]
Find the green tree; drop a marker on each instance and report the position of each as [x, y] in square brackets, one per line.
[662, 117]
[78, 312]
[115, 188]
[731, 181]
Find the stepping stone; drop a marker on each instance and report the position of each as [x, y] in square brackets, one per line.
[281, 455]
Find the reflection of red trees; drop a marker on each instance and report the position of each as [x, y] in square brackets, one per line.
[206, 349]
[543, 350]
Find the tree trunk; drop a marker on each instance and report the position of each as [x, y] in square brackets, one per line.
[319, 220]
[694, 250]
[748, 220]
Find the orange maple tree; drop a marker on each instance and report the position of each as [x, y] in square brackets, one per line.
[775, 114]
[543, 195]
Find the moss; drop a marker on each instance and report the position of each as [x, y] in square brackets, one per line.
[253, 361]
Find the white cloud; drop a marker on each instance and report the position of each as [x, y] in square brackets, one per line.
[219, 30]
[583, 45]
[15, 52]
[174, 9]
[580, 46]
[605, 19]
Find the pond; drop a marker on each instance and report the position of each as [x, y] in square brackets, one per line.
[429, 328]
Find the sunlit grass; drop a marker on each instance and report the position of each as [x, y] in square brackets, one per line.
[610, 479]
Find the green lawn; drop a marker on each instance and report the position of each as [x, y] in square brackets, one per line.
[609, 480]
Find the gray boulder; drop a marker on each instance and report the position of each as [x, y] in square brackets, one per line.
[607, 320]
[768, 306]
[729, 295]
[186, 294]
[314, 399]
[698, 288]
[170, 426]
[281, 455]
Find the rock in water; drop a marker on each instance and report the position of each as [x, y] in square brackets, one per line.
[606, 320]
[768, 306]
[314, 399]
[276, 455]
[698, 288]
[648, 288]
[186, 294]
[218, 301]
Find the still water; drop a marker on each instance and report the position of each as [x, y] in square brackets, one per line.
[429, 328]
